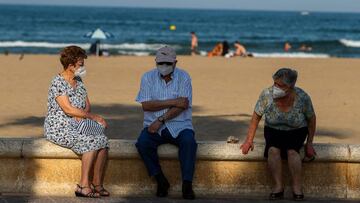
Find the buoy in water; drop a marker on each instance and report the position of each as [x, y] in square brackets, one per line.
[172, 27]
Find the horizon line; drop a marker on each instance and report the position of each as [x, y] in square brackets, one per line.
[179, 8]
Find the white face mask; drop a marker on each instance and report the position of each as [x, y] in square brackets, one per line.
[165, 69]
[80, 72]
[278, 92]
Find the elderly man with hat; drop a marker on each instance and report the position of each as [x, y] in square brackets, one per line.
[166, 98]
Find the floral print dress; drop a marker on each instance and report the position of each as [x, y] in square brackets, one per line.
[62, 129]
[295, 118]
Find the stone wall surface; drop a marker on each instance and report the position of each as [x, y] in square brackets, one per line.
[38, 167]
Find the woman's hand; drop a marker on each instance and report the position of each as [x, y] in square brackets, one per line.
[99, 119]
[246, 146]
[77, 118]
[309, 150]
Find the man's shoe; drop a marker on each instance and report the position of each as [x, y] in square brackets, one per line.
[162, 185]
[187, 190]
[162, 189]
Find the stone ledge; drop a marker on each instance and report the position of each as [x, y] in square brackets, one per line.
[207, 150]
[354, 151]
[11, 148]
[38, 167]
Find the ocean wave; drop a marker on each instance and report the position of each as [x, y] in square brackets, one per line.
[135, 46]
[40, 44]
[134, 53]
[350, 43]
[290, 55]
[123, 46]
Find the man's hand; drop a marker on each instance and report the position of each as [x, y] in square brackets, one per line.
[182, 102]
[246, 146]
[154, 127]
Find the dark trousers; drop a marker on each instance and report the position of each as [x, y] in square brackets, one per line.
[148, 143]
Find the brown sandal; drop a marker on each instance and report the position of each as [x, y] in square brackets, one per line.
[103, 192]
[91, 194]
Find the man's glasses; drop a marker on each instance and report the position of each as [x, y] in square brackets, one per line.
[165, 63]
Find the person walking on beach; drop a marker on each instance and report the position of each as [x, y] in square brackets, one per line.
[166, 98]
[289, 121]
[194, 44]
[69, 122]
[287, 46]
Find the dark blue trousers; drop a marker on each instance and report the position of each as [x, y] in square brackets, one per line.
[148, 143]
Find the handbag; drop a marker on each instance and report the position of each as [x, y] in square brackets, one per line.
[90, 127]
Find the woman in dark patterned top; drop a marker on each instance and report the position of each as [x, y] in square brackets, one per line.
[289, 120]
[70, 124]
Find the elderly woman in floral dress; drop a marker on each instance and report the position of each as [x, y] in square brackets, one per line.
[70, 124]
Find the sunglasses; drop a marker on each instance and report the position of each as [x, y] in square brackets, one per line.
[165, 63]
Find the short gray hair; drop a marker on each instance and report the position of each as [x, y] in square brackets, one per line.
[286, 75]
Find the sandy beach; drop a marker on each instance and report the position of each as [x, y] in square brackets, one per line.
[224, 93]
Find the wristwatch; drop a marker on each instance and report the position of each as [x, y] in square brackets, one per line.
[161, 119]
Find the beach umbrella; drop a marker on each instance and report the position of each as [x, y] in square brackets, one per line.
[98, 35]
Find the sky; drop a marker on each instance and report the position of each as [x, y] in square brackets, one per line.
[277, 5]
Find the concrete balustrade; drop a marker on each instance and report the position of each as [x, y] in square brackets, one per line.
[38, 167]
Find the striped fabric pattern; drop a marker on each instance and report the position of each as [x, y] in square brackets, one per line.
[90, 127]
[153, 87]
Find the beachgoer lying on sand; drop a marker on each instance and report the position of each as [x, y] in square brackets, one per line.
[217, 50]
[240, 50]
[225, 48]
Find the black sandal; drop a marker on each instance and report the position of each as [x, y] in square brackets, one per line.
[103, 192]
[276, 195]
[91, 194]
[298, 197]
